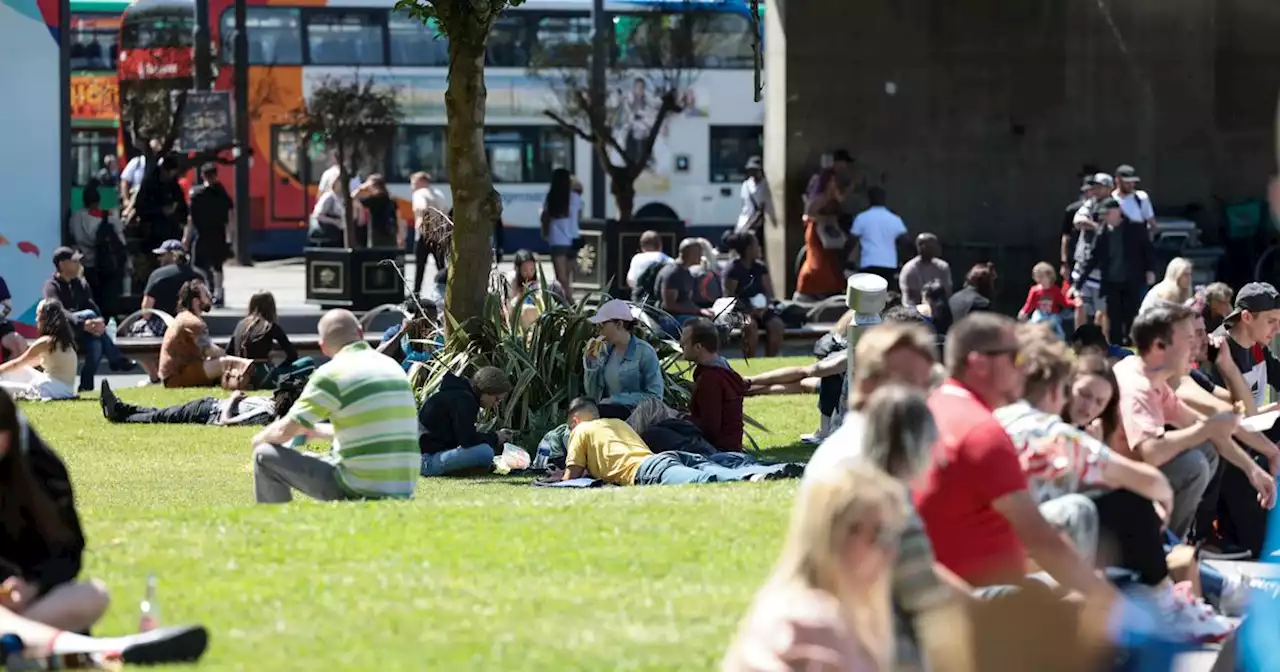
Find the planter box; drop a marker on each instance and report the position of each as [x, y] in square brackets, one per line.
[609, 245]
[355, 279]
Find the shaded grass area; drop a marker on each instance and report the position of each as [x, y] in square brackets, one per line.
[480, 574]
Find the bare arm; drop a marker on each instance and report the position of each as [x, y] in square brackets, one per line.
[29, 358]
[1171, 444]
[1047, 548]
[1236, 385]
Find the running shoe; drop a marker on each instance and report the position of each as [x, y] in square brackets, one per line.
[1190, 618]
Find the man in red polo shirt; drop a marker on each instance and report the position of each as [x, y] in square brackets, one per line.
[973, 497]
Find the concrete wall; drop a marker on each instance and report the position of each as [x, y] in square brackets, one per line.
[999, 104]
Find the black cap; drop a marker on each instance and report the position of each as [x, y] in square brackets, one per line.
[65, 254]
[1255, 297]
[1127, 173]
[1109, 203]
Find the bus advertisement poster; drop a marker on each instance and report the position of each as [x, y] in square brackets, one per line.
[95, 97]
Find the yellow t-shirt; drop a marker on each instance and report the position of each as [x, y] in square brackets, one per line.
[608, 449]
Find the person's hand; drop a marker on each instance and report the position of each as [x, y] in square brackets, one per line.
[15, 594]
[1073, 293]
[555, 475]
[1151, 278]
[1222, 425]
[706, 312]
[95, 326]
[595, 346]
[1163, 509]
[237, 394]
[1265, 485]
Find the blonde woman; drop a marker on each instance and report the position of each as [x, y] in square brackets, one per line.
[826, 605]
[1175, 288]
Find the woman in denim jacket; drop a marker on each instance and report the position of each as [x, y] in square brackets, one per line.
[620, 369]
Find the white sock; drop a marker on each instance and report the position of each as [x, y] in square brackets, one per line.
[824, 425]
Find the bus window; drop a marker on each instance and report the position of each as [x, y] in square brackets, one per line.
[287, 155]
[275, 35]
[416, 43]
[721, 40]
[154, 29]
[344, 37]
[731, 147]
[508, 45]
[554, 150]
[418, 148]
[527, 154]
[562, 40]
[88, 147]
[652, 40]
[94, 42]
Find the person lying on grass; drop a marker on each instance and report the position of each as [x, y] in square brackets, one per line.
[609, 450]
[367, 397]
[41, 542]
[450, 441]
[237, 410]
[41, 642]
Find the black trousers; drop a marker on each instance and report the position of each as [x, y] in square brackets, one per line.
[195, 412]
[1123, 300]
[614, 411]
[423, 248]
[1130, 535]
[829, 389]
[1241, 519]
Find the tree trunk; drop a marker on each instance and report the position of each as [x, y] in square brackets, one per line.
[475, 203]
[623, 187]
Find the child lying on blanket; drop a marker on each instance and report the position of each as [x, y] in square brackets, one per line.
[611, 451]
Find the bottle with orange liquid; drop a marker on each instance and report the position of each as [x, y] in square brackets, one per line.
[150, 618]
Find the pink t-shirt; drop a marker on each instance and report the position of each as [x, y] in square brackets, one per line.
[1146, 406]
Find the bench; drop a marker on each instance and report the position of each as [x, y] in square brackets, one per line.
[149, 345]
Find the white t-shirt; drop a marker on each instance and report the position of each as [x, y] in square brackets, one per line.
[565, 229]
[878, 229]
[1129, 205]
[641, 263]
[328, 177]
[755, 198]
[251, 411]
[133, 171]
[843, 444]
[330, 205]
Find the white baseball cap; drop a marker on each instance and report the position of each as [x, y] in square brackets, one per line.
[609, 311]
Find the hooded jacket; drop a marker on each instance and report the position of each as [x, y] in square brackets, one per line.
[716, 404]
[448, 418]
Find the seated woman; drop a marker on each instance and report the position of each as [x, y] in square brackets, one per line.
[234, 411]
[826, 605]
[188, 357]
[620, 370]
[256, 335]
[41, 542]
[747, 280]
[524, 280]
[54, 350]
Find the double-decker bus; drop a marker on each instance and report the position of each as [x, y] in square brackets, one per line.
[95, 100]
[156, 57]
[293, 46]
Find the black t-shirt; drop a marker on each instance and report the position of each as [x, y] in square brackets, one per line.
[1068, 218]
[210, 208]
[967, 300]
[678, 279]
[164, 283]
[1259, 367]
[382, 212]
[750, 279]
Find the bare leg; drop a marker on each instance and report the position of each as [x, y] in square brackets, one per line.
[750, 337]
[71, 606]
[1104, 322]
[14, 344]
[1081, 317]
[775, 330]
[564, 275]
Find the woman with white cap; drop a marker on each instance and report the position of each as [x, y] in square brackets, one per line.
[620, 370]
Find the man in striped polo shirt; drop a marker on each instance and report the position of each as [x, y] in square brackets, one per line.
[366, 397]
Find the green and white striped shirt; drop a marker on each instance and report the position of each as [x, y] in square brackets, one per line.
[366, 396]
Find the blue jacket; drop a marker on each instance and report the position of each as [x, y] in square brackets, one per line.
[640, 375]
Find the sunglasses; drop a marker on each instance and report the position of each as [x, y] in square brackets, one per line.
[1014, 353]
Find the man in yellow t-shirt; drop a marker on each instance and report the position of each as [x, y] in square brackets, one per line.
[611, 451]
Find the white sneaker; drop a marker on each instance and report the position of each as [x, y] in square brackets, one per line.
[1191, 618]
[824, 429]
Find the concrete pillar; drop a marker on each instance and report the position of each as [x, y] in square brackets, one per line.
[780, 236]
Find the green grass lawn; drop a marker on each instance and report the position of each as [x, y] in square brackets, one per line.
[473, 574]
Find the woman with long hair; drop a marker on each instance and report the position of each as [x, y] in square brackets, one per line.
[1175, 288]
[386, 227]
[40, 538]
[1094, 404]
[826, 605]
[259, 331]
[560, 214]
[54, 351]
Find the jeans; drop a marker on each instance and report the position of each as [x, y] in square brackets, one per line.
[94, 348]
[197, 412]
[457, 459]
[1190, 474]
[278, 471]
[1077, 517]
[677, 468]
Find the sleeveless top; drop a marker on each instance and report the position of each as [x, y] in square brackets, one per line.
[60, 365]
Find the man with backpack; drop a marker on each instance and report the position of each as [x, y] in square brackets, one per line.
[99, 237]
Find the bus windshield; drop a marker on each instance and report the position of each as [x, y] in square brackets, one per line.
[154, 29]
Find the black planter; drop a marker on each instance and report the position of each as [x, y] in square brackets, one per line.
[356, 279]
[609, 245]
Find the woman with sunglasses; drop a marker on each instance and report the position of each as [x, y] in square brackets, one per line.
[1130, 499]
[620, 370]
[826, 605]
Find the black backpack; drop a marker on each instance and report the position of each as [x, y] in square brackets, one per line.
[646, 291]
[108, 248]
